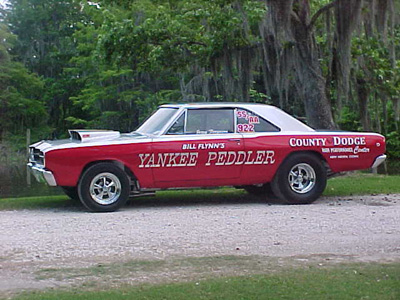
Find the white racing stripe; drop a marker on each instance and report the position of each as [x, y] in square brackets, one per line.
[46, 146]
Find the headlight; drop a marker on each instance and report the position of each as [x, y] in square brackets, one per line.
[31, 155]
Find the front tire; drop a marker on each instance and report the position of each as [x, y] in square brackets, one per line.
[104, 187]
[301, 179]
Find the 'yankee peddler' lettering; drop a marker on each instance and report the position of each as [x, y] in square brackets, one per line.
[229, 158]
[219, 158]
[151, 160]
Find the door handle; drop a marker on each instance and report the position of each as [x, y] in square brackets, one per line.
[235, 140]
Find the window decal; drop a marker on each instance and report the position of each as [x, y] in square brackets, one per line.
[245, 127]
[248, 122]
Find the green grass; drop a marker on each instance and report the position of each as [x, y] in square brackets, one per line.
[35, 202]
[363, 184]
[356, 184]
[366, 281]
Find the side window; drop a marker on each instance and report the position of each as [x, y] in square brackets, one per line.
[179, 126]
[249, 122]
[208, 121]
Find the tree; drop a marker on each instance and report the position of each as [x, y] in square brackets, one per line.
[221, 40]
[21, 105]
[44, 30]
[109, 63]
[291, 53]
[111, 95]
[207, 44]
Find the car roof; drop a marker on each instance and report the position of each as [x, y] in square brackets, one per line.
[271, 113]
[214, 105]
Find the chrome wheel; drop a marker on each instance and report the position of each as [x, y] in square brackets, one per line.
[105, 188]
[302, 178]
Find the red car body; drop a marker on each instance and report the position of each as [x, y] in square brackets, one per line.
[183, 155]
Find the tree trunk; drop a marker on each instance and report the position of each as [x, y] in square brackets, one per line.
[288, 29]
[311, 85]
[384, 101]
[347, 17]
[308, 71]
[277, 52]
[363, 93]
[396, 108]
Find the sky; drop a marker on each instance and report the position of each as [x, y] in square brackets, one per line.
[2, 2]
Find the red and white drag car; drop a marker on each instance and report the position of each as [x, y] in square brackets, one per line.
[254, 146]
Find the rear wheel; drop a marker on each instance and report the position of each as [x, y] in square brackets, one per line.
[301, 179]
[104, 187]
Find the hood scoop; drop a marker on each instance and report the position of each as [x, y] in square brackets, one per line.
[93, 135]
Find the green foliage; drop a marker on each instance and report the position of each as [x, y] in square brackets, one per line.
[21, 105]
[350, 120]
[258, 97]
[45, 45]
[377, 67]
[393, 144]
[111, 96]
[380, 75]
[158, 35]
[44, 29]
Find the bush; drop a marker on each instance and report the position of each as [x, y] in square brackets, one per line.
[393, 145]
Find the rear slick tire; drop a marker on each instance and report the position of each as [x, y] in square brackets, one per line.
[301, 179]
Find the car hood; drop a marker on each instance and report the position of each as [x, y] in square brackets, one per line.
[93, 135]
[89, 138]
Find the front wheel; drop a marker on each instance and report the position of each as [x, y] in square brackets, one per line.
[301, 179]
[104, 187]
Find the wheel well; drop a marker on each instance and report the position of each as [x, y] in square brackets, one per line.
[316, 154]
[122, 166]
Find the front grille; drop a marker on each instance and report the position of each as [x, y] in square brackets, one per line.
[36, 156]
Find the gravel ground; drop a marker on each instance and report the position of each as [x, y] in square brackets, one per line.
[362, 228]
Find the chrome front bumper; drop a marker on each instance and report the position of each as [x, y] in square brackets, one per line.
[380, 159]
[42, 175]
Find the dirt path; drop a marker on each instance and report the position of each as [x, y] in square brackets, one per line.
[50, 248]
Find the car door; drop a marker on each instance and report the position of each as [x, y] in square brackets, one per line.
[200, 149]
[263, 145]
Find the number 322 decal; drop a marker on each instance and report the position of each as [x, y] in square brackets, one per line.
[251, 120]
[245, 127]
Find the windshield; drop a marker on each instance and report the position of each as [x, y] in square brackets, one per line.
[157, 121]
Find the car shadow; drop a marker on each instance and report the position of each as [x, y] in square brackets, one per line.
[206, 198]
[175, 198]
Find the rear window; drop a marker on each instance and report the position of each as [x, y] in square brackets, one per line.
[247, 121]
